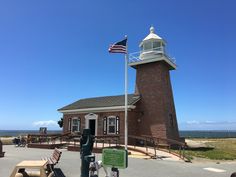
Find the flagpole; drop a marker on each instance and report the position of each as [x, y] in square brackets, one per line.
[126, 96]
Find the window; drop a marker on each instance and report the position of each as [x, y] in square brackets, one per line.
[147, 46]
[111, 125]
[156, 45]
[141, 47]
[75, 124]
[171, 120]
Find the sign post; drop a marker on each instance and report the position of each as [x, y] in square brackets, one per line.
[86, 147]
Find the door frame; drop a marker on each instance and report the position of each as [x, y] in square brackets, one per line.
[91, 116]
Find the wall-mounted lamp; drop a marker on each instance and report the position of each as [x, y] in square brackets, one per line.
[142, 113]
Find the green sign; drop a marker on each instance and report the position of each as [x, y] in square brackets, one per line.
[117, 158]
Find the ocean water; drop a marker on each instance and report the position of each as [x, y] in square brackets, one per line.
[185, 133]
[208, 134]
[24, 132]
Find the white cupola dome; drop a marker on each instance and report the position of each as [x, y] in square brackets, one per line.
[152, 35]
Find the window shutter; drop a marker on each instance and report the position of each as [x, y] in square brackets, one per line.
[117, 125]
[69, 124]
[105, 125]
[79, 122]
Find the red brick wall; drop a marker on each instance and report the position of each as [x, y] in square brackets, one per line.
[157, 104]
[132, 121]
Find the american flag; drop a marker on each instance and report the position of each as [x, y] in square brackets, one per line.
[119, 47]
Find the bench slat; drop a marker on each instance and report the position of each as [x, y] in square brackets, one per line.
[54, 159]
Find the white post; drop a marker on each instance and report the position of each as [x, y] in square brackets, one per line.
[126, 98]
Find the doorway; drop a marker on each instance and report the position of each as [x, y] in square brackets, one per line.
[91, 122]
[92, 126]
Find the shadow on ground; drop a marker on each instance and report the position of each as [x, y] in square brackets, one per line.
[204, 149]
[58, 172]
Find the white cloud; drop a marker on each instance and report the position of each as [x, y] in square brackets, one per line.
[45, 123]
[193, 122]
[210, 122]
[207, 125]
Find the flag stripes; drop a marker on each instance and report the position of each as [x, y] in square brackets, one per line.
[119, 47]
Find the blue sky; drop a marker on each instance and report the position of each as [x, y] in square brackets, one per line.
[55, 52]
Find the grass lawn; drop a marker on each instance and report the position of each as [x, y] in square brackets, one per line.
[219, 149]
[6, 140]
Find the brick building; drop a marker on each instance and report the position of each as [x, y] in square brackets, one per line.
[151, 109]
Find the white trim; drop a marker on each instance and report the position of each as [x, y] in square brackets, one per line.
[91, 116]
[101, 109]
[154, 59]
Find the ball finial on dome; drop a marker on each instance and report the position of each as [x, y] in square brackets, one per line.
[152, 29]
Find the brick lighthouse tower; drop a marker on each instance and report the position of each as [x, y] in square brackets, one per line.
[154, 86]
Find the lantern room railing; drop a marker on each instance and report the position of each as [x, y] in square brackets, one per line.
[157, 52]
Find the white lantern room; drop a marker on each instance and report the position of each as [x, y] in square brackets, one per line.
[151, 45]
[152, 49]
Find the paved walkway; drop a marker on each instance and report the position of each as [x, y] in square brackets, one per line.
[138, 154]
[159, 154]
[69, 165]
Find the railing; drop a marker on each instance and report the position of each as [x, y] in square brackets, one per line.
[172, 146]
[107, 140]
[146, 141]
[51, 138]
[41, 138]
[71, 139]
[159, 51]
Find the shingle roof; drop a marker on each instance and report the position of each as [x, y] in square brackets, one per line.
[107, 101]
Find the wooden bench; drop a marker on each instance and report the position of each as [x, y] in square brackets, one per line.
[53, 160]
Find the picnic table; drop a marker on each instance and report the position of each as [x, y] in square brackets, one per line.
[33, 168]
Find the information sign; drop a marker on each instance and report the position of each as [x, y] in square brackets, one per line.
[117, 158]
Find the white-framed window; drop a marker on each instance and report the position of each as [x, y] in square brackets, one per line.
[147, 46]
[111, 125]
[75, 124]
[156, 45]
